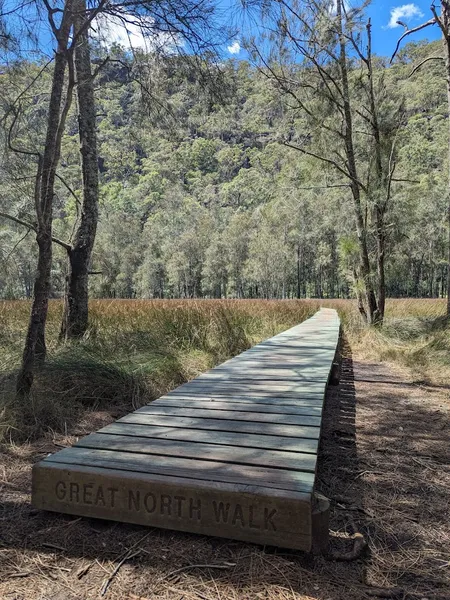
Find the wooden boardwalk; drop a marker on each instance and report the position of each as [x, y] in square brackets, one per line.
[232, 453]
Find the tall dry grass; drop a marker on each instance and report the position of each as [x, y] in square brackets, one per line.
[136, 350]
[416, 335]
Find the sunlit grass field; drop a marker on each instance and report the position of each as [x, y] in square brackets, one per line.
[136, 350]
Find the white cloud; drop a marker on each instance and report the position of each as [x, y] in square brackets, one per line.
[235, 48]
[405, 12]
[132, 33]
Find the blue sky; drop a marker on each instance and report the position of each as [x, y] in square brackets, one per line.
[383, 13]
[385, 30]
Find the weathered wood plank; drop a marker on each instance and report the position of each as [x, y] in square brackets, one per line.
[230, 415]
[231, 405]
[260, 397]
[243, 512]
[199, 450]
[259, 392]
[300, 481]
[274, 377]
[255, 387]
[223, 425]
[243, 440]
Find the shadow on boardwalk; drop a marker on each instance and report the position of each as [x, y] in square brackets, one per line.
[383, 463]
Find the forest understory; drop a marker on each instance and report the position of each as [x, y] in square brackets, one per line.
[383, 464]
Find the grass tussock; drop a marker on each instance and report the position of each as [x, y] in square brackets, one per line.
[416, 335]
[136, 350]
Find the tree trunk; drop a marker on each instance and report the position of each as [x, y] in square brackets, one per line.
[381, 185]
[445, 13]
[35, 346]
[365, 269]
[75, 320]
[381, 266]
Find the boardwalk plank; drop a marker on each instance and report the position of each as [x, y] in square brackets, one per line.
[230, 405]
[202, 451]
[230, 415]
[300, 481]
[223, 425]
[310, 399]
[242, 440]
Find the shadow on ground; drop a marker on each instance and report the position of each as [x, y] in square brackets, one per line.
[383, 463]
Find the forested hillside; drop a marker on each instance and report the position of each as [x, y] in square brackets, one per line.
[201, 197]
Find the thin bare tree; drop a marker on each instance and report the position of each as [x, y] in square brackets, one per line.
[319, 63]
[441, 20]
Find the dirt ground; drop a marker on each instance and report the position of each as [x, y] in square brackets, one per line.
[384, 464]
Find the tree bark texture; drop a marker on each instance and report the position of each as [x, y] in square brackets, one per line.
[35, 345]
[75, 320]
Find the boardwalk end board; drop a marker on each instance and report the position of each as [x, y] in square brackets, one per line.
[230, 454]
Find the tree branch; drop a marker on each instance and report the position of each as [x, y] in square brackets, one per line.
[329, 161]
[16, 245]
[423, 62]
[69, 189]
[324, 187]
[10, 144]
[408, 32]
[33, 227]
[405, 180]
[439, 22]
[28, 87]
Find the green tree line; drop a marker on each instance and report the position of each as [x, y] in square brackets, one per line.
[201, 197]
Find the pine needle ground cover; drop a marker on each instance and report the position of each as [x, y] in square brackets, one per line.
[383, 458]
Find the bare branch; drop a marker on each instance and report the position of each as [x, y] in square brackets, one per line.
[325, 187]
[281, 82]
[69, 189]
[439, 22]
[16, 245]
[416, 68]
[99, 67]
[144, 88]
[29, 86]
[10, 144]
[50, 13]
[401, 180]
[88, 21]
[409, 32]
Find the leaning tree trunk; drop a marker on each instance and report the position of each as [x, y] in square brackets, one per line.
[35, 347]
[75, 320]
